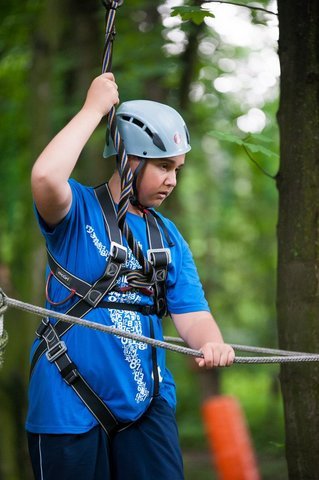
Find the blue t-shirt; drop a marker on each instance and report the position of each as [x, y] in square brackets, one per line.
[118, 369]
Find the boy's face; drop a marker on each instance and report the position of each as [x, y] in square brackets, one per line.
[157, 179]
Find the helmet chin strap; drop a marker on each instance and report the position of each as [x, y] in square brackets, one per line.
[134, 197]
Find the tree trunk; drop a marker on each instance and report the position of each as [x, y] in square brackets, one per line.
[298, 229]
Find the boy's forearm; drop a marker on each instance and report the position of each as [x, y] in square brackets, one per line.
[201, 332]
[198, 328]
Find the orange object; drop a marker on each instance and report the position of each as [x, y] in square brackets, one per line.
[229, 439]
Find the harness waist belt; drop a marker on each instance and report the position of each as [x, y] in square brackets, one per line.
[143, 309]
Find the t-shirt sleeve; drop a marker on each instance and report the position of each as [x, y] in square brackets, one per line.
[58, 234]
[185, 293]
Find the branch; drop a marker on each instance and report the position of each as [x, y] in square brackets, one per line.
[257, 164]
[242, 5]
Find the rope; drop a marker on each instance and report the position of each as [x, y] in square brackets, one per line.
[39, 311]
[3, 334]
[247, 348]
[145, 277]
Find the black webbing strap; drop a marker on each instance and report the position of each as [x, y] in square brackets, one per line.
[91, 295]
[143, 309]
[154, 361]
[103, 194]
[67, 279]
[159, 257]
[91, 300]
[57, 354]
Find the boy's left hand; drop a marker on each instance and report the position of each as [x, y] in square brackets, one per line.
[216, 355]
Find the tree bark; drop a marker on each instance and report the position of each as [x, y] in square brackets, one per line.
[298, 229]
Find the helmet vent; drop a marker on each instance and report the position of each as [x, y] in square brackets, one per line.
[154, 136]
[187, 135]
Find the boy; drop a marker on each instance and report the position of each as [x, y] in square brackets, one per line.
[66, 437]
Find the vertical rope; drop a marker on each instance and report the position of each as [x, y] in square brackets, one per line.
[123, 165]
[122, 161]
[3, 333]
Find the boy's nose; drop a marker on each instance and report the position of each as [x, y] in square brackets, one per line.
[171, 179]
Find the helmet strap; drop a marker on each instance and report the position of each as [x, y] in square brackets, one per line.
[134, 197]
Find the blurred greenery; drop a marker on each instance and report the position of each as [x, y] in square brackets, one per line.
[224, 205]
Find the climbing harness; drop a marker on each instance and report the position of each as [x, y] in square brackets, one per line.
[91, 296]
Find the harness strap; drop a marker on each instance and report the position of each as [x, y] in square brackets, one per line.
[57, 354]
[80, 309]
[91, 297]
[143, 309]
[159, 257]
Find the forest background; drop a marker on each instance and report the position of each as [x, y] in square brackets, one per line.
[226, 86]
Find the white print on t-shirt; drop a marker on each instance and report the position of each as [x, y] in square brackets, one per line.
[101, 248]
[126, 320]
[131, 261]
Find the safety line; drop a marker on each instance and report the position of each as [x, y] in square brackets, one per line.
[248, 348]
[39, 311]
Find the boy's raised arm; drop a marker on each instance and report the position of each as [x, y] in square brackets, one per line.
[52, 169]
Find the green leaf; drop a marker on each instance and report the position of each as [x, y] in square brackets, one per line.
[260, 149]
[194, 14]
[252, 147]
[259, 137]
[227, 137]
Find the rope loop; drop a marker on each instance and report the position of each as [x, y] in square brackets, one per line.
[47, 295]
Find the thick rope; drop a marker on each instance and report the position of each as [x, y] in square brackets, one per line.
[3, 334]
[248, 348]
[43, 312]
[144, 277]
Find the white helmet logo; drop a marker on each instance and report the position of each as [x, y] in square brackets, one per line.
[177, 138]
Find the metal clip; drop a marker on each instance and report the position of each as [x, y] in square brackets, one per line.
[151, 255]
[118, 252]
[56, 351]
[93, 297]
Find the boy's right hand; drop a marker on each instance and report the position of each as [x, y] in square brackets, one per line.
[102, 95]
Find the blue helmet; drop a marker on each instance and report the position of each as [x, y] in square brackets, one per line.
[150, 130]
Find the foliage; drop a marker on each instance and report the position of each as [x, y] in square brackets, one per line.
[195, 14]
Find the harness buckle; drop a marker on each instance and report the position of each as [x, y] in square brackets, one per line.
[93, 297]
[159, 257]
[118, 252]
[56, 351]
[160, 275]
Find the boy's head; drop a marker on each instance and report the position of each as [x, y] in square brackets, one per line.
[156, 139]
